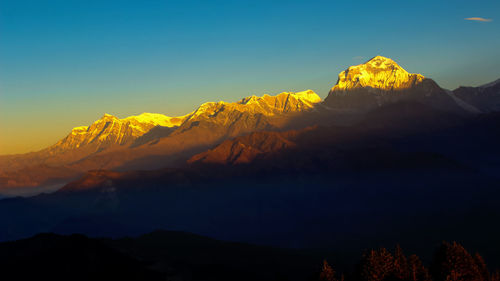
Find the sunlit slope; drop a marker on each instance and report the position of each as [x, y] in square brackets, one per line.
[210, 124]
[154, 140]
[110, 130]
[378, 73]
[107, 133]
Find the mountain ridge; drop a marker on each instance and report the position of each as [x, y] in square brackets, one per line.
[152, 141]
[111, 142]
[110, 130]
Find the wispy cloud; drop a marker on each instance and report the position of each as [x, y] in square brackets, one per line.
[479, 19]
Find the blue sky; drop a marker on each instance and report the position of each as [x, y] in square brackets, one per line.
[65, 63]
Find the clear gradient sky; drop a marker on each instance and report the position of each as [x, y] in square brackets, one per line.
[65, 63]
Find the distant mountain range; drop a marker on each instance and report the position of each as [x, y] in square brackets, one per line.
[151, 141]
[388, 157]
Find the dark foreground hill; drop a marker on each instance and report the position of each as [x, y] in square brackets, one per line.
[75, 257]
[160, 255]
[167, 255]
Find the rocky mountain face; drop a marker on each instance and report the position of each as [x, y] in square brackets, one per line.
[381, 81]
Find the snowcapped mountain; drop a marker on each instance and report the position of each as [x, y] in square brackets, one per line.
[111, 142]
[382, 81]
[266, 105]
[378, 74]
[249, 114]
[110, 130]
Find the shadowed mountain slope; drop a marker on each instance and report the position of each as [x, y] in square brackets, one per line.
[246, 148]
[210, 259]
[486, 98]
[159, 255]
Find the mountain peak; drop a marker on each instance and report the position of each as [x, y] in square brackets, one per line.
[308, 96]
[377, 73]
[381, 81]
[79, 130]
[108, 116]
[379, 60]
[156, 119]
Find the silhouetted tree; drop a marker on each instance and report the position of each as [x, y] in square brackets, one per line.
[417, 271]
[400, 265]
[327, 273]
[453, 262]
[495, 276]
[453, 276]
[377, 265]
[483, 269]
